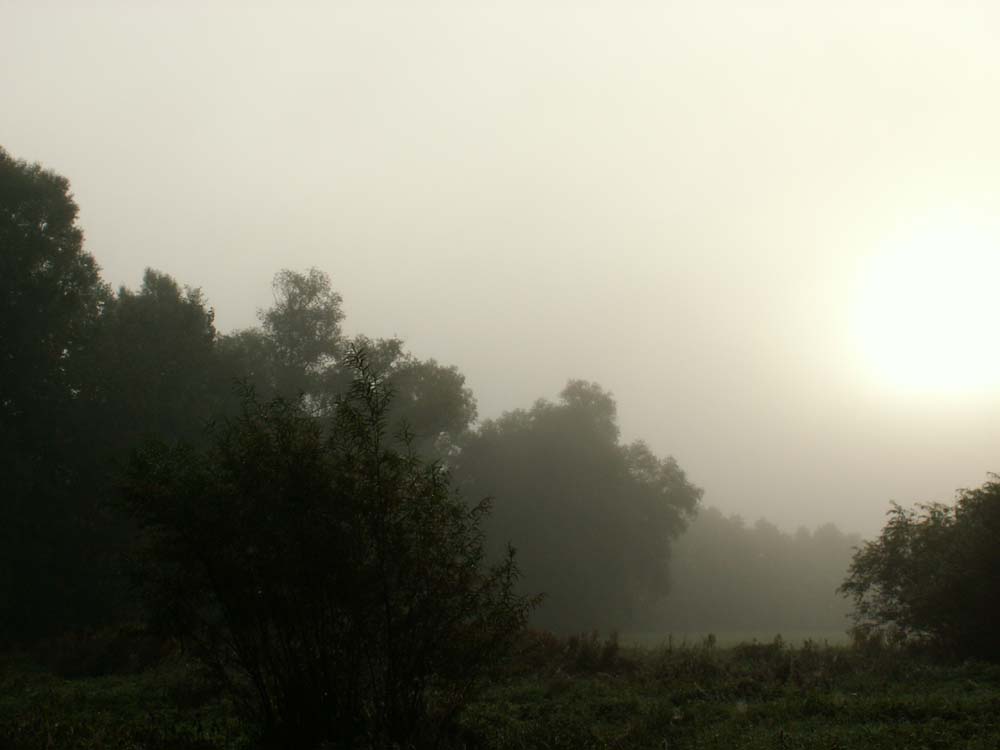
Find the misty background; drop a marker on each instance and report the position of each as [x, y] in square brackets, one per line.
[691, 204]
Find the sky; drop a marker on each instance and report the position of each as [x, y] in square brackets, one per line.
[770, 229]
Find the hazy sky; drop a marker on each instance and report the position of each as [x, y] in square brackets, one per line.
[771, 229]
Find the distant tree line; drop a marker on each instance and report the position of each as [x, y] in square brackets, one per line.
[733, 577]
[611, 533]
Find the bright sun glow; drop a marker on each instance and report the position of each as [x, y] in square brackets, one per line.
[928, 312]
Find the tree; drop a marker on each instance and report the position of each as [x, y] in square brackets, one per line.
[305, 321]
[592, 518]
[933, 575]
[155, 371]
[299, 341]
[298, 350]
[51, 296]
[333, 580]
[432, 399]
[729, 576]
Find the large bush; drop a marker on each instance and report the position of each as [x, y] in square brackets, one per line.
[333, 580]
[934, 575]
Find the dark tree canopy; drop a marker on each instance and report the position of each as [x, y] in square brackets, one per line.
[432, 400]
[50, 292]
[51, 297]
[298, 343]
[934, 574]
[155, 368]
[298, 350]
[592, 518]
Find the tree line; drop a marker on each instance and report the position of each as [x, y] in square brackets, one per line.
[92, 374]
[730, 576]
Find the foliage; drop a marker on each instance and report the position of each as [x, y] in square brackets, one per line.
[591, 517]
[50, 288]
[298, 345]
[50, 298]
[934, 575]
[729, 575]
[431, 399]
[298, 350]
[153, 366]
[333, 580]
[305, 321]
[87, 375]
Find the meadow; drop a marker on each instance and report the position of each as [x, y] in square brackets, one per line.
[728, 638]
[580, 692]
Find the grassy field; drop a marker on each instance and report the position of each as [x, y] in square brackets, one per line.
[728, 638]
[571, 693]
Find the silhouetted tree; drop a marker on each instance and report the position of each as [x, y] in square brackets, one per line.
[50, 289]
[432, 400]
[298, 350]
[934, 574]
[299, 341]
[50, 298]
[155, 369]
[592, 518]
[329, 576]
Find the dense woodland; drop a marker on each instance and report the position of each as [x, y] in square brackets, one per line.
[290, 501]
[92, 374]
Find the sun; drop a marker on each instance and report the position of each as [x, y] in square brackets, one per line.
[928, 312]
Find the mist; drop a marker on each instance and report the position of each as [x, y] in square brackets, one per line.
[456, 374]
[676, 201]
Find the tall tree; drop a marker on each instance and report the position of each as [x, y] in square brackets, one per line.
[51, 296]
[298, 351]
[154, 367]
[591, 517]
[299, 340]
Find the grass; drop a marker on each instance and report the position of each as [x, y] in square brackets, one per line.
[169, 706]
[749, 696]
[727, 638]
[572, 693]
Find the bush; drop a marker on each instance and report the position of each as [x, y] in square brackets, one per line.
[933, 576]
[332, 580]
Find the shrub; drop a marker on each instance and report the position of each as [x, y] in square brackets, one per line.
[933, 575]
[334, 582]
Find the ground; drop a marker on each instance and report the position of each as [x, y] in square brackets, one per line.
[576, 694]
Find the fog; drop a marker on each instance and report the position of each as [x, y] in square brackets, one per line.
[688, 203]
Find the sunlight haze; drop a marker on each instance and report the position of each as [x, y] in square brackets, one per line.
[768, 228]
